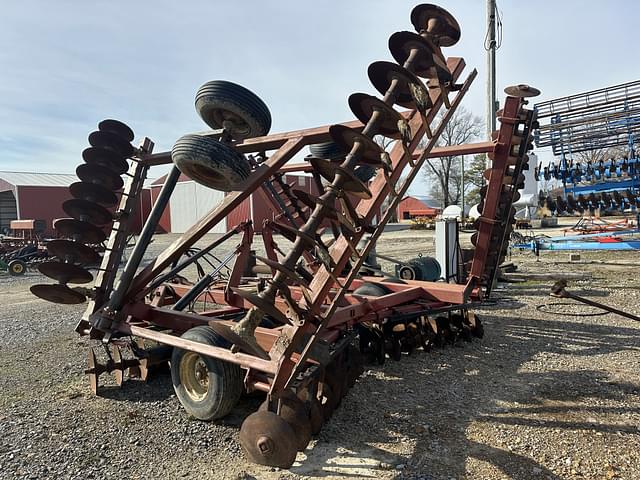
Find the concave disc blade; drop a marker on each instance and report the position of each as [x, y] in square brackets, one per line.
[65, 272]
[79, 230]
[57, 293]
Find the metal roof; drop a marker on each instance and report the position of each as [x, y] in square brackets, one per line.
[23, 179]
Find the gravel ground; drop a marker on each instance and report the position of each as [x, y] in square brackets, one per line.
[542, 396]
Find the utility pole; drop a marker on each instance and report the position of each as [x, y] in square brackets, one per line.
[490, 46]
[462, 182]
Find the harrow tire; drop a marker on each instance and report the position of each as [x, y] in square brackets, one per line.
[209, 162]
[16, 268]
[224, 384]
[328, 151]
[219, 100]
[372, 290]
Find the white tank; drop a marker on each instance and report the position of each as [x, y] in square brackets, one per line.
[452, 211]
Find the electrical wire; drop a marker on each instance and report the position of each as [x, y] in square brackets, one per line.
[545, 309]
[498, 26]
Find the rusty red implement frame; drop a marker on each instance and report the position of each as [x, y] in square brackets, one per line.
[290, 319]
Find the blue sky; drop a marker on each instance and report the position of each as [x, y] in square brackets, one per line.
[68, 64]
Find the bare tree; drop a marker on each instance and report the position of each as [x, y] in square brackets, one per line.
[598, 154]
[444, 173]
[474, 178]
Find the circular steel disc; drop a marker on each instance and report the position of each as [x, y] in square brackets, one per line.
[80, 231]
[402, 43]
[382, 74]
[98, 175]
[57, 293]
[522, 91]
[111, 141]
[65, 272]
[269, 440]
[363, 106]
[71, 251]
[438, 22]
[105, 158]
[369, 151]
[328, 171]
[88, 211]
[316, 418]
[93, 193]
[310, 201]
[293, 411]
[117, 127]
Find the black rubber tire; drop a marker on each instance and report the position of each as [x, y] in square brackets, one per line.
[209, 162]
[372, 290]
[217, 99]
[364, 173]
[225, 379]
[394, 280]
[328, 151]
[17, 268]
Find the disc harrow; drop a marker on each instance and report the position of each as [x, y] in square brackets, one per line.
[99, 180]
[300, 324]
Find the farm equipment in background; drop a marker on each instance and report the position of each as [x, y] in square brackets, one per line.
[24, 247]
[300, 332]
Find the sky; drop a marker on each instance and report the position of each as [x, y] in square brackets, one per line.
[66, 65]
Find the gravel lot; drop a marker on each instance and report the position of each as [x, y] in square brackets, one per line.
[542, 396]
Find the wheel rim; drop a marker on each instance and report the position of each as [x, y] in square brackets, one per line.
[232, 121]
[17, 268]
[207, 174]
[194, 376]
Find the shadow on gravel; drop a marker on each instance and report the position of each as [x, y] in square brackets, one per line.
[543, 289]
[442, 403]
[547, 400]
[157, 388]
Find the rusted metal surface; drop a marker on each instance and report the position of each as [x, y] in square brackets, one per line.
[559, 289]
[293, 329]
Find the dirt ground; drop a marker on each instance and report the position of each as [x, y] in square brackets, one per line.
[549, 393]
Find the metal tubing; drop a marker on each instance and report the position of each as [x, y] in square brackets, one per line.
[559, 290]
[188, 261]
[200, 286]
[231, 201]
[115, 302]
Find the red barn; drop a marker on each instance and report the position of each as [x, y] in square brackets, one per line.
[412, 207]
[39, 196]
[33, 196]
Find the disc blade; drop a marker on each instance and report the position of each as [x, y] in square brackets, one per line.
[105, 158]
[438, 22]
[88, 211]
[111, 141]
[382, 73]
[269, 440]
[523, 90]
[73, 252]
[57, 293]
[116, 127]
[93, 193]
[403, 44]
[363, 107]
[79, 230]
[353, 185]
[369, 151]
[98, 175]
[65, 272]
